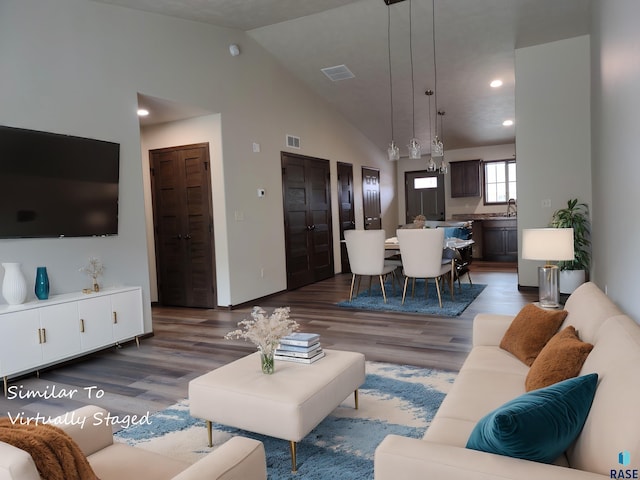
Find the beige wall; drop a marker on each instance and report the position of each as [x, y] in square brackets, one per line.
[615, 77]
[76, 67]
[553, 134]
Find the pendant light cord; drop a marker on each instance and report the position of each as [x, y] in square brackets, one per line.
[435, 68]
[413, 102]
[390, 76]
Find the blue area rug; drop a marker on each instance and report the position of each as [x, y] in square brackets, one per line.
[394, 399]
[429, 306]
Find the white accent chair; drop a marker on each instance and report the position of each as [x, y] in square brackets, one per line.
[421, 252]
[366, 257]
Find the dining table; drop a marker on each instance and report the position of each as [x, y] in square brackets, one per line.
[452, 242]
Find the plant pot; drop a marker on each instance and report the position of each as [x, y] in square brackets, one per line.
[570, 280]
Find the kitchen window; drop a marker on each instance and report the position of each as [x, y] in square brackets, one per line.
[499, 181]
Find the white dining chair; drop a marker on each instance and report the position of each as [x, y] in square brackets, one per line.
[421, 252]
[366, 257]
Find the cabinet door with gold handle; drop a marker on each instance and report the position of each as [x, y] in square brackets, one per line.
[96, 322]
[60, 336]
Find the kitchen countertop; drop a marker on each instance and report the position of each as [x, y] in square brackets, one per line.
[483, 216]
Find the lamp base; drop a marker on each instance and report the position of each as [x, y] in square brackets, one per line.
[549, 286]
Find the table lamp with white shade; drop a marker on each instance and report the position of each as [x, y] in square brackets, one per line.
[550, 245]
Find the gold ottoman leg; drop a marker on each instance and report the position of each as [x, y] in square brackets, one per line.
[355, 397]
[294, 466]
[209, 433]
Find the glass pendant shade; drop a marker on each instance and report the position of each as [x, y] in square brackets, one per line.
[393, 152]
[437, 149]
[444, 167]
[415, 150]
[431, 165]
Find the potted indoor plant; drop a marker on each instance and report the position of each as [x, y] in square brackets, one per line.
[574, 272]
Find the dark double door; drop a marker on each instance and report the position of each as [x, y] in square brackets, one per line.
[183, 225]
[307, 219]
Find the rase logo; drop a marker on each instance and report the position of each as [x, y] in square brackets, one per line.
[624, 459]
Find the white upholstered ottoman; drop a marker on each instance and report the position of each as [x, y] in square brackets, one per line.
[287, 404]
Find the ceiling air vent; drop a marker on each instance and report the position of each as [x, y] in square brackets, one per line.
[339, 72]
[293, 142]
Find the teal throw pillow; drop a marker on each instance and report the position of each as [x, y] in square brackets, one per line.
[539, 425]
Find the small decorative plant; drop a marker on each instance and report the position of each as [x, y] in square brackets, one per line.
[265, 331]
[419, 221]
[94, 270]
[576, 216]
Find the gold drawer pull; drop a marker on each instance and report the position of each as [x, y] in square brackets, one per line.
[39, 335]
[115, 317]
[44, 335]
[82, 325]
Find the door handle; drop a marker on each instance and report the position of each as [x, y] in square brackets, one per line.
[311, 227]
[188, 236]
[179, 237]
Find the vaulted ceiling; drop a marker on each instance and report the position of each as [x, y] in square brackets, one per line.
[475, 44]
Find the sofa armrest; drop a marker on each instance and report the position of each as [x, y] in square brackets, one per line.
[239, 458]
[87, 427]
[488, 329]
[402, 458]
[16, 464]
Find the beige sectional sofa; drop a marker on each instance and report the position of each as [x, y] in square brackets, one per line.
[239, 458]
[491, 376]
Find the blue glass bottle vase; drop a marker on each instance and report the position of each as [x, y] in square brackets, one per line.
[42, 283]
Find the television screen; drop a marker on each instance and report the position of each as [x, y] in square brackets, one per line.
[54, 185]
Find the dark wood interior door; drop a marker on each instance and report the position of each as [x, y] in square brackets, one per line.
[307, 219]
[424, 194]
[346, 210]
[371, 198]
[183, 225]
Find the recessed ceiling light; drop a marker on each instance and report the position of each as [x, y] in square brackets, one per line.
[507, 123]
[143, 112]
[496, 83]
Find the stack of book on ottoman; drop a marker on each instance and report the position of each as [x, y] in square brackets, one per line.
[300, 348]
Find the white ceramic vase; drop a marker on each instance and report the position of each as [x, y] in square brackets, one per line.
[14, 285]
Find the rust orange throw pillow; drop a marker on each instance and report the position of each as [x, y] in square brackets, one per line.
[560, 359]
[530, 331]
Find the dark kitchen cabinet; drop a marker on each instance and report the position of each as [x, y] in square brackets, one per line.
[465, 178]
[500, 240]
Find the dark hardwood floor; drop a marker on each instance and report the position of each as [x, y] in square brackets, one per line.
[189, 342]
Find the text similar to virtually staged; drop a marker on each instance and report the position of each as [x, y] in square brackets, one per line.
[70, 418]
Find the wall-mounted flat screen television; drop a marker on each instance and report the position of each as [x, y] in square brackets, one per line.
[54, 185]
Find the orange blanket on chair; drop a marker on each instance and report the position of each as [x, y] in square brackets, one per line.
[56, 455]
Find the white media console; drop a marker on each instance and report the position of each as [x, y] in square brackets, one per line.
[40, 333]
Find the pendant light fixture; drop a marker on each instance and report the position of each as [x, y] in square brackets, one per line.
[393, 152]
[444, 168]
[431, 164]
[415, 149]
[437, 148]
